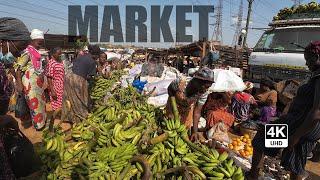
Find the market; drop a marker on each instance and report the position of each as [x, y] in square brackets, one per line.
[111, 14]
[73, 109]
